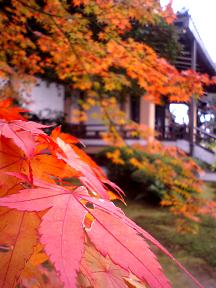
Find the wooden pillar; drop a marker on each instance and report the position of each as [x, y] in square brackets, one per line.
[126, 107]
[193, 104]
[67, 109]
[147, 113]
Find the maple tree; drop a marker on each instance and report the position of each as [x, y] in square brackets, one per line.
[54, 195]
[83, 43]
[91, 46]
[55, 201]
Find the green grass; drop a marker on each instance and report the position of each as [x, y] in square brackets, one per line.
[196, 252]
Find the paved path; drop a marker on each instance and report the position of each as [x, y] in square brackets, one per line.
[209, 177]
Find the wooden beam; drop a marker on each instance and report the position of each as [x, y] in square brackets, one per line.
[193, 105]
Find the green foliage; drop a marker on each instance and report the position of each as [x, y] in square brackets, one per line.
[213, 167]
[162, 37]
[125, 173]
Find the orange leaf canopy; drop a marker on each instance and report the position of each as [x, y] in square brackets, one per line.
[82, 43]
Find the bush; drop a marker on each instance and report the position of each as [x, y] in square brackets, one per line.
[164, 175]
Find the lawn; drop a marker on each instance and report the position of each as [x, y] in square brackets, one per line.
[196, 252]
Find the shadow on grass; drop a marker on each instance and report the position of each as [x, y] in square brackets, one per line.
[196, 252]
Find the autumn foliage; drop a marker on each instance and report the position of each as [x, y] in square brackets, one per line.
[55, 201]
[83, 43]
[161, 174]
[56, 205]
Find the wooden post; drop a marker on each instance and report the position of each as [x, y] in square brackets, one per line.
[147, 114]
[193, 104]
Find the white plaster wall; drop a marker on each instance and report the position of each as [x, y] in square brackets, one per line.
[45, 99]
[211, 96]
[95, 119]
[94, 116]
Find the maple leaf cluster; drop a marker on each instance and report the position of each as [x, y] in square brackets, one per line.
[52, 193]
[85, 45]
[82, 43]
[56, 204]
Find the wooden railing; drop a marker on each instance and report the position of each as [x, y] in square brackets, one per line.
[94, 131]
[169, 133]
[205, 140]
[176, 132]
[172, 132]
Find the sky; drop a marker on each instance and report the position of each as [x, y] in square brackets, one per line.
[204, 16]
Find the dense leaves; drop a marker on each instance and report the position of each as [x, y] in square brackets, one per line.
[47, 183]
[72, 213]
[85, 44]
[160, 174]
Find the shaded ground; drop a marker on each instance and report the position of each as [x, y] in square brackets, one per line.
[196, 252]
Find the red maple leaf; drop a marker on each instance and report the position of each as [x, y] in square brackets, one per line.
[22, 133]
[8, 112]
[73, 215]
[63, 232]
[92, 176]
